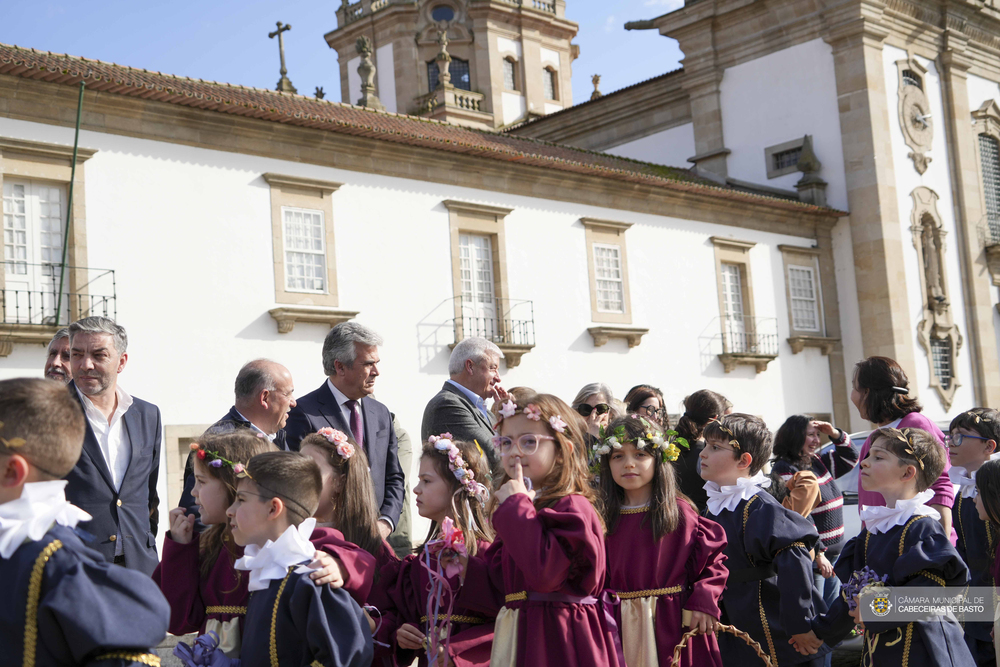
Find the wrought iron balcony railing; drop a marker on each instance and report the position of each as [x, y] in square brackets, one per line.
[749, 335]
[30, 294]
[503, 321]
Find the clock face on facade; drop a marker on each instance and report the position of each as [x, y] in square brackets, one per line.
[915, 112]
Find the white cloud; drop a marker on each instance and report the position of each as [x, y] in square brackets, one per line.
[669, 5]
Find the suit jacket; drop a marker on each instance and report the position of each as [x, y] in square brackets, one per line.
[187, 500]
[319, 409]
[451, 411]
[132, 511]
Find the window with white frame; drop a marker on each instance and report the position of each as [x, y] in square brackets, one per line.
[733, 313]
[610, 281]
[475, 256]
[509, 74]
[33, 219]
[549, 81]
[805, 300]
[305, 250]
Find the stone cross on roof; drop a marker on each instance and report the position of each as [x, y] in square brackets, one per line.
[284, 84]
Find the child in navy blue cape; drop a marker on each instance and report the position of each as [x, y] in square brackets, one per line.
[290, 620]
[905, 543]
[61, 603]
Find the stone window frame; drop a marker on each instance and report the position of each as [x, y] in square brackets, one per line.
[985, 121]
[550, 70]
[512, 59]
[174, 454]
[735, 251]
[471, 218]
[806, 257]
[607, 232]
[306, 193]
[771, 151]
[51, 163]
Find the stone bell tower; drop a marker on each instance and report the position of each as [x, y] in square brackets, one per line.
[477, 63]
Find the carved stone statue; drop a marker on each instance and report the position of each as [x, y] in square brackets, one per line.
[367, 72]
[443, 58]
[936, 298]
[596, 80]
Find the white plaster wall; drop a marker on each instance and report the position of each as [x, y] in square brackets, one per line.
[670, 147]
[552, 108]
[188, 232]
[507, 47]
[550, 57]
[385, 70]
[777, 98]
[937, 178]
[513, 107]
[353, 80]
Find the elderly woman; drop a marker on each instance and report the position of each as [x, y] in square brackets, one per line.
[595, 403]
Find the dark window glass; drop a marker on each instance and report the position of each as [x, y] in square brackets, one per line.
[459, 74]
[442, 13]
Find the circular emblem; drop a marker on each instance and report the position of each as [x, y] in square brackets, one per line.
[881, 606]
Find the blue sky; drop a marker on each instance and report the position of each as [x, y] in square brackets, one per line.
[226, 40]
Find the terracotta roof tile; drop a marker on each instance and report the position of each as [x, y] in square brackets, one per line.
[358, 121]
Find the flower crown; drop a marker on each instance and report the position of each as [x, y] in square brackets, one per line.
[667, 443]
[339, 440]
[459, 468]
[534, 413]
[215, 460]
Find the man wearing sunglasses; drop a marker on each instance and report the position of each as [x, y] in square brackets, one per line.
[460, 407]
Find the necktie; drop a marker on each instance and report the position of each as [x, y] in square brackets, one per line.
[359, 435]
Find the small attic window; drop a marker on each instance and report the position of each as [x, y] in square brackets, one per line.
[911, 78]
[442, 13]
[785, 159]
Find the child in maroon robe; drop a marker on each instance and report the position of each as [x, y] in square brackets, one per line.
[547, 563]
[447, 488]
[665, 562]
[196, 573]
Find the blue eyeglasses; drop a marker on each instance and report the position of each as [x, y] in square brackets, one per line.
[956, 440]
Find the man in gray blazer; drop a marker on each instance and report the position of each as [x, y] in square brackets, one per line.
[460, 407]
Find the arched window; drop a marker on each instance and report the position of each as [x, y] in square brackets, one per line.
[443, 13]
[509, 73]
[459, 71]
[550, 81]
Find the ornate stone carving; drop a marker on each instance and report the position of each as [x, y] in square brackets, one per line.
[825, 344]
[443, 58]
[915, 112]
[367, 72]
[287, 316]
[596, 80]
[632, 335]
[812, 188]
[937, 332]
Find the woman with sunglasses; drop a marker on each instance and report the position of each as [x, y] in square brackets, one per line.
[647, 401]
[595, 404]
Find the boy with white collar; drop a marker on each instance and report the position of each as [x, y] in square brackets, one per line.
[904, 542]
[770, 571]
[972, 441]
[61, 603]
[290, 620]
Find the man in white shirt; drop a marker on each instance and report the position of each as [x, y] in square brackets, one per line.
[115, 479]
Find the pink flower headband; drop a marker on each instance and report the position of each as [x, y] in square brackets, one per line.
[459, 467]
[534, 413]
[339, 440]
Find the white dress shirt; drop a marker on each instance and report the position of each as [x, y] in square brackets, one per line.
[111, 435]
[269, 436]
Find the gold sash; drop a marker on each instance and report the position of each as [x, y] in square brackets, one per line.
[504, 653]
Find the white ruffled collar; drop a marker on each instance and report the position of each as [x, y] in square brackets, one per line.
[880, 519]
[41, 505]
[728, 497]
[965, 481]
[272, 560]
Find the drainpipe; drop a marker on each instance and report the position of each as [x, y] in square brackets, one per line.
[69, 206]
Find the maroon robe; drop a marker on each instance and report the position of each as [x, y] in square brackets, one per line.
[690, 557]
[223, 595]
[556, 551]
[403, 587]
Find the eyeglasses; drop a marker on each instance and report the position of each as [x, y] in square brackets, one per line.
[956, 440]
[650, 411]
[585, 409]
[527, 443]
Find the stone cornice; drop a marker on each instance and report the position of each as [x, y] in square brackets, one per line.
[55, 104]
[44, 149]
[324, 187]
[610, 225]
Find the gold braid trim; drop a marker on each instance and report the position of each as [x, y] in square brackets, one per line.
[636, 510]
[236, 611]
[933, 577]
[141, 658]
[789, 546]
[655, 592]
[274, 618]
[909, 523]
[469, 620]
[906, 646]
[767, 630]
[316, 663]
[958, 519]
[514, 597]
[34, 596]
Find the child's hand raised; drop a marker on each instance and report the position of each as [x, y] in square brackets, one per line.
[328, 570]
[514, 485]
[806, 643]
[409, 637]
[181, 526]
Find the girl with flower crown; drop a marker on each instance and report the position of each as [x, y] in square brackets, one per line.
[547, 565]
[449, 493]
[665, 562]
[196, 573]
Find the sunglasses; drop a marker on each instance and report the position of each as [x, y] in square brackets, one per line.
[527, 443]
[585, 410]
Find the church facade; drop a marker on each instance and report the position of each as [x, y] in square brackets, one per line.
[220, 223]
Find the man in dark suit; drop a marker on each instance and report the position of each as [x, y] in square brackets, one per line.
[460, 407]
[115, 479]
[264, 395]
[344, 401]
